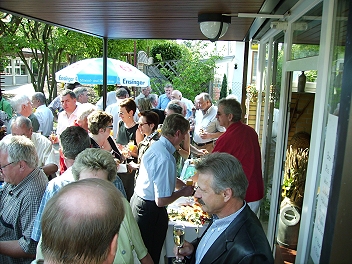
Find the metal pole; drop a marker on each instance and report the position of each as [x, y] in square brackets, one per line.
[105, 72]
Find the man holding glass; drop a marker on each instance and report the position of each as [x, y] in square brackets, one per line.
[235, 234]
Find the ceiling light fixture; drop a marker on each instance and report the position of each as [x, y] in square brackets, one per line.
[214, 26]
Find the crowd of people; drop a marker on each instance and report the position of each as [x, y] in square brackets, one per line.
[102, 197]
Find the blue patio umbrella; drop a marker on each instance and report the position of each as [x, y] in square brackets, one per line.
[90, 71]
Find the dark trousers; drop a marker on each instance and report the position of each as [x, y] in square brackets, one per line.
[128, 183]
[153, 222]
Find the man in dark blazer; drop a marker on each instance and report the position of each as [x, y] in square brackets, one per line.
[235, 234]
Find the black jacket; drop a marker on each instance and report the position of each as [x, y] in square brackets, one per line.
[243, 241]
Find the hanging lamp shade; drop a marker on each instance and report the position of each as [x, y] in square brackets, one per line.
[213, 26]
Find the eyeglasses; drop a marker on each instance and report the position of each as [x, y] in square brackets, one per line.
[111, 127]
[6, 166]
[142, 124]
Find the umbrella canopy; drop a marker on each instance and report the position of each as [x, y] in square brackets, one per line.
[90, 71]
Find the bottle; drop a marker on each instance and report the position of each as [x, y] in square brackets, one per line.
[301, 83]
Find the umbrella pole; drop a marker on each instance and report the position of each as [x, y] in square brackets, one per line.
[105, 71]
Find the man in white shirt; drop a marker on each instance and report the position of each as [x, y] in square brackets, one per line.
[207, 128]
[81, 94]
[114, 109]
[48, 160]
[43, 113]
[67, 117]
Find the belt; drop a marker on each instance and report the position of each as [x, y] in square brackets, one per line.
[203, 144]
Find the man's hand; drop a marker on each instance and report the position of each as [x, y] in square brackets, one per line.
[187, 190]
[186, 250]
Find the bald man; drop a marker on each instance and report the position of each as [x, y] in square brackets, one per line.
[89, 224]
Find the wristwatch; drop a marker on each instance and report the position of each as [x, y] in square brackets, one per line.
[179, 149]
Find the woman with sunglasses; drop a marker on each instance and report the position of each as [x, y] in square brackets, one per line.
[100, 126]
[147, 124]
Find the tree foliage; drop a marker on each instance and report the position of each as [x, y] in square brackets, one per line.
[195, 69]
[166, 51]
[223, 91]
[53, 48]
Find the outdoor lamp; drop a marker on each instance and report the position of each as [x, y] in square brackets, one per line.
[213, 26]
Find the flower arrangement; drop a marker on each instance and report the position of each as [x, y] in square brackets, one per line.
[252, 93]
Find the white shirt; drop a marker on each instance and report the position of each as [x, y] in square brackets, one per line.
[64, 121]
[45, 118]
[208, 123]
[45, 150]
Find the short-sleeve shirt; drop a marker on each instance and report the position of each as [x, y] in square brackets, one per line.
[207, 122]
[157, 173]
[18, 208]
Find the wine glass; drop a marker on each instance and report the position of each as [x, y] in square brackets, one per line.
[179, 238]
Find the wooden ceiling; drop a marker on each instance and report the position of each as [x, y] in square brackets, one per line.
[148, 19]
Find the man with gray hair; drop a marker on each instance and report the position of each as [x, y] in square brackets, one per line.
[176, 94]
[81, 94]
[43, 113]
[48, 159]
[156, 183]
[160, 112]
[206, 128]
[145, 94]
[235, 234]
[22, 105]
[19, 198]
[241, 141]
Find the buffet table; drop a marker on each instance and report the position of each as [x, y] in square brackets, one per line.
[192, 231]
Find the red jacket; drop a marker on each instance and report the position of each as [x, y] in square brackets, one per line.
[241, 141]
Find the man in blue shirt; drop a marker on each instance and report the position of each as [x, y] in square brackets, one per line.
[235, 234]
[165, 98]
[157, 184]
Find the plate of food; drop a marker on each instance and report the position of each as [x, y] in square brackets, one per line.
[189, 212]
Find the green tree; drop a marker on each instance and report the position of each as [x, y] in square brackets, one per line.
[195, 70]
[223, 91]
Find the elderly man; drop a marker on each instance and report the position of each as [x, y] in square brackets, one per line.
[19, 198]
[73, 140]
[165, 98]
[160, 112]
[48, 160]
[43, 113]
[206, 128]
[98, 163]
[22, 105]
[235, 235]
[81, 94]
[88, 224]
[176, 94]
[145, 94]
[241, 141]
[156, 183]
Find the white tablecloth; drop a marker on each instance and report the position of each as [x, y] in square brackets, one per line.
[190, 232]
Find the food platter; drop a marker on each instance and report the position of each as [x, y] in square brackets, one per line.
[189, 212]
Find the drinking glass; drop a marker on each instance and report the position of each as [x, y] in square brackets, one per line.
[179, 238]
